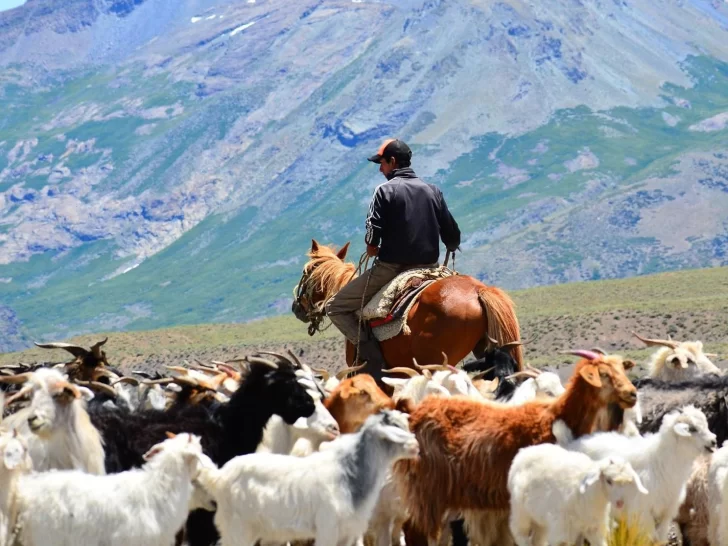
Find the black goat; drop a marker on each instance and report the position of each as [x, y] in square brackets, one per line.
[226, 430]
[498, 362]
[709, 393]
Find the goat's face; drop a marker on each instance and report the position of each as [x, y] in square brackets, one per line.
[14, 452]
[292, 399]
[610, 378]
[392, 426]
[617, 477]
[548, 385]
[320, 425]
[690, 424]
[52, 402]
[354, 400]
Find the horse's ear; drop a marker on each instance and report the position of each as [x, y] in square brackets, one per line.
[341, 254]
[314, 245]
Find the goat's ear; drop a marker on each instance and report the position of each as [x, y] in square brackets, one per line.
[638, 482]
[13, 454]
[314, 245]
[152, 452]
[589, 480]
[170, 435]
[682, 429]
[628, 364]
[590, 374]
[86, 393]
[341, 254]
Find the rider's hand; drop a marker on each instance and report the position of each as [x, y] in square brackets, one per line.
[372, 250]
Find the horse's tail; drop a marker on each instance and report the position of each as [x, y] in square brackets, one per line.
[503, 324]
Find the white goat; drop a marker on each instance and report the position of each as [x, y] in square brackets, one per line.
[663, 461]
[678, 360]
[56, 425]
[563, 497]
[144, 507]
[328, 495]
[717, 495]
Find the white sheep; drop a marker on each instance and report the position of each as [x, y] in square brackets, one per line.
[144, 507]
[563, 497]
[56, 425]
[663, 461]
[328, 495]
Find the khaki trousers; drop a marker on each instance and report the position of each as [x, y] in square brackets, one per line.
[342, 307]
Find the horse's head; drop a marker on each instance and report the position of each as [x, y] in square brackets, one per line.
[323, 275]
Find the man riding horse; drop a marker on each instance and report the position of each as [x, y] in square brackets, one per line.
[407, 217]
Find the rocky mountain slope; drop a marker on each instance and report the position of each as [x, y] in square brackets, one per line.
[168, 162]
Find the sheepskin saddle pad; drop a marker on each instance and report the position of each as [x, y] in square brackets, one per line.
[388, 309]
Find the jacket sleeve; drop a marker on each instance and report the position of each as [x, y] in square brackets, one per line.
[449, 230]
[375, 218]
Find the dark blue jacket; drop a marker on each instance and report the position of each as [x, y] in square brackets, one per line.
[407, 218]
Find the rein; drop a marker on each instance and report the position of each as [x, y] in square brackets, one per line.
[305, 289]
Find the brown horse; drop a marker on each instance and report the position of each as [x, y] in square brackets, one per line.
[454, 315]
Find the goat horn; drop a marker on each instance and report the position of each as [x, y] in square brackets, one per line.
[96, 347]
[263, 361]
[536, 370]
[101, 371]
[293, 362]
[432, 367]
[445, 361]
[179, 369]
[295, 358]
[96, 386]
[589, 355]
[15, 379]
[324, 373]
[523, 373]
[130, 380]
[18, 395]
[204, 369]
[162, 381]
[480, 375]
[511, 344]
[341, 374]
[712, 355]
[599, 350]
[652, 342]
[407, 371]
[189, 382]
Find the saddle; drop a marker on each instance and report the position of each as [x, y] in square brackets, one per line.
[393, 301]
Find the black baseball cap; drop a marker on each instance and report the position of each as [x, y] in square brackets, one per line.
[392, 147]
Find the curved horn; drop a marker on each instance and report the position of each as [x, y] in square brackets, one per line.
[75, 350]
[511, 344]
[523, 373]
[96, 347]
[188, 382]
[445, 361]
[341, 374]
[129, 380]
[263, 361]
[162, 381]
[16, 379]
[102, 371]
[535, 370]
[653, 342]
[599, 350]
[492, 343]
[96, 386]
[407, 371]
[324, 373]
[482, 374]
[295, 359]
[179, 369]
[18, 395]
[589, 355]
[284, 358]
[432, 367]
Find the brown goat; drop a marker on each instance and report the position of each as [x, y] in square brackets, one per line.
[467, 446]
[355, 399]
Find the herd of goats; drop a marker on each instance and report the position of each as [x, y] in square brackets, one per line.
[268, 449]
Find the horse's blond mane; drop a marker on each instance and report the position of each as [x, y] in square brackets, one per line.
[328, 272]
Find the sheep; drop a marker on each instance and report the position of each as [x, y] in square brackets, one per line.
[539, 384]
[677, 361]
[563, 497]
[227, 430]
[663, 461]
[328, 495]
[149, 506]
[717, 488]
[468, 445]
[56, 425]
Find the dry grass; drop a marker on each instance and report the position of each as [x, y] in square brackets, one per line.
[628, 534]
